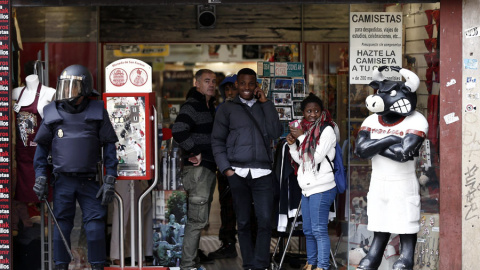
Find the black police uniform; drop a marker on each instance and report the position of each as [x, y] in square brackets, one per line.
[76, 140]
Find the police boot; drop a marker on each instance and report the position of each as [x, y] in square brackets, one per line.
[405, 262]
[375, 253]
[97, 266]
[62, 266]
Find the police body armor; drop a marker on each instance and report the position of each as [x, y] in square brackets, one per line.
[76, 141]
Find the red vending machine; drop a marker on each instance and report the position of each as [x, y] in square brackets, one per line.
[130, 114]
[130, 103]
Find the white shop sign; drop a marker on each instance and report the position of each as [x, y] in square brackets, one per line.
[375, 41]
[128, 75]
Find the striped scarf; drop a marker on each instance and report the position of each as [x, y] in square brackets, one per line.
[312, 131]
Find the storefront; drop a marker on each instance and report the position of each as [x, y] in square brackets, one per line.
[175, 42]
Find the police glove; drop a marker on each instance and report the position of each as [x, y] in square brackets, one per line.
[107, 190]
[40, 187]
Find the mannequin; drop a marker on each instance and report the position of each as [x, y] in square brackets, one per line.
[28, 120]
[47, 94]
[391, 138]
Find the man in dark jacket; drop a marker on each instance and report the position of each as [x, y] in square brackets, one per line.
[192, 131]
[242, 152]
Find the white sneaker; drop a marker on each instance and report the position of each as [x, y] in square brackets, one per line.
[201, 267]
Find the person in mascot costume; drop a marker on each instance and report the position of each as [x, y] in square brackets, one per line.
[76, 128]
[391, 138]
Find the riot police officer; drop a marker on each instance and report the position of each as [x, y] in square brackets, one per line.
[76, 127]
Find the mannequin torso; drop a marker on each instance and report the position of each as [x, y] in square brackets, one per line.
[28, 116]
[46, 94]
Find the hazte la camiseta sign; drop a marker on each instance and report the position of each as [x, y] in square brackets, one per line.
[375, 41]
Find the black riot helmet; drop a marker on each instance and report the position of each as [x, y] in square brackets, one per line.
[73, 82]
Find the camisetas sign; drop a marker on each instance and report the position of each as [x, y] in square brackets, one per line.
[375, 40]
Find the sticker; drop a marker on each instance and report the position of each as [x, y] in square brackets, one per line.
[472, 32]
[451, 82]
[60, 133]
[435, 229]
[470, 108]
[451, 118]
[16, 107]
[474, 96]
[470, 63]
[471, 82]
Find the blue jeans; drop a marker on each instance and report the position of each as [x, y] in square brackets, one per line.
[199, 182]
[67, 191]
[260, 192]
[315, 211]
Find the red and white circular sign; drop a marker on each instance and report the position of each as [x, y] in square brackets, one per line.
[138, 76]
[118, 77]
[128, 75]
[470, 108]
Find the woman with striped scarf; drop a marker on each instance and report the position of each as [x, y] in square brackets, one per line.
[310, 141]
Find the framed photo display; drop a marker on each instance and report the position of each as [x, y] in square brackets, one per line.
[284, 113]
[297, 112]
[283, 84]
[298, 88]
[282, 99]
[264, 84]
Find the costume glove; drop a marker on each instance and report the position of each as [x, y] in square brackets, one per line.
[107, 190]
[40, 187]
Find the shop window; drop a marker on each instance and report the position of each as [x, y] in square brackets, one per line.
[59, 37]
[327, 75]
[49, 40]
[174, 65]
[419, 52]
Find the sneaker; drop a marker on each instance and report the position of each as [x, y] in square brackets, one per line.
[204, 258]
[225, 251]
[201, 267]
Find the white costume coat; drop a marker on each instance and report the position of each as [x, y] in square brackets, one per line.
[393, 197]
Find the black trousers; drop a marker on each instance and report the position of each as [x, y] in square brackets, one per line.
[258, 191]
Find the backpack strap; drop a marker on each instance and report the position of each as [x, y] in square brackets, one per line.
[259, 129]
[329, 161]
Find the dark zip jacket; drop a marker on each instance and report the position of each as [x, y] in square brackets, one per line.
[237, 142]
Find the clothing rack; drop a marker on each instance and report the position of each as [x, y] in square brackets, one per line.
[278, 266]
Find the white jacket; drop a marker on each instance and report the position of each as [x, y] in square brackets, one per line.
[310, 180]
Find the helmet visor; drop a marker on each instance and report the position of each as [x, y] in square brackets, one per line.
[68, 88]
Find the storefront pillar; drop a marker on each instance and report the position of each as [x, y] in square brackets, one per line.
[5, 153]
[470, 128]
[450, 135]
